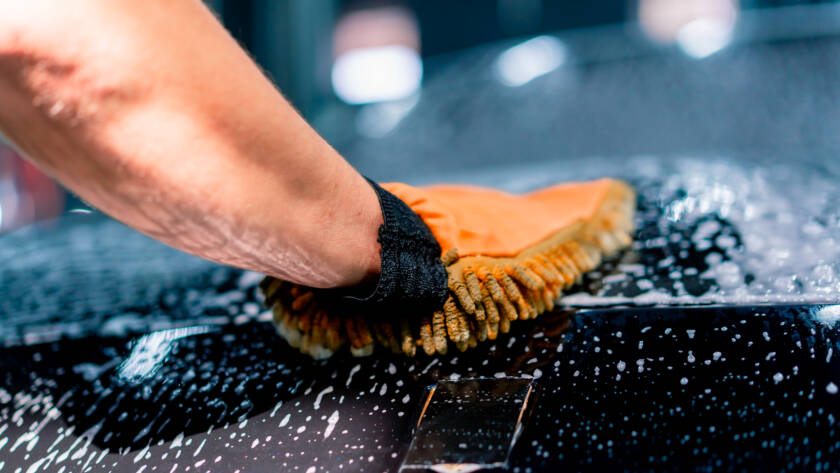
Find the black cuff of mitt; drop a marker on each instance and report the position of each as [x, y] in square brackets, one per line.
[412, 272]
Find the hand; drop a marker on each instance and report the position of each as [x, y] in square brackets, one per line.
[505, 257]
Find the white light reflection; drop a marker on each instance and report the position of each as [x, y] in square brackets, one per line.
[699, 28]
[377, 74]
[703, 197]
[705, 36]
[149, 352]
[527, 61]
[378, 119]
[828, 315]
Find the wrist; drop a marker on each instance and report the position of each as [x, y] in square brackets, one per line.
[410, 267]
[371, 263]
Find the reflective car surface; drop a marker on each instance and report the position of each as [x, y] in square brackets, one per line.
[711, 344]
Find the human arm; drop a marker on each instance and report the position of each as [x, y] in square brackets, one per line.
[151, 112]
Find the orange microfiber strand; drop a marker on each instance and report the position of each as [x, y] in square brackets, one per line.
[507, 257]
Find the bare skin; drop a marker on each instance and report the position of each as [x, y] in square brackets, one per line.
[151, 112]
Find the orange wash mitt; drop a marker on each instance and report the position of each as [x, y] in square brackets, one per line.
[507, 257]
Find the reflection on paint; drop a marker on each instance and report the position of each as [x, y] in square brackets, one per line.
[151, 350]
[828, 314]
[526, 61]
[456, 431]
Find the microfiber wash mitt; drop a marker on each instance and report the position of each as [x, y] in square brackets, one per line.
[459, 265]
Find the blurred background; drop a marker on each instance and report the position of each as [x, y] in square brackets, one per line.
[424, 89]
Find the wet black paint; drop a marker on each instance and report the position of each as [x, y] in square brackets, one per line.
[120, 354]
[664, 389]
[712, 389]
[470, 423]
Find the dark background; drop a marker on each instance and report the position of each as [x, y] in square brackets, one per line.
[623, 87]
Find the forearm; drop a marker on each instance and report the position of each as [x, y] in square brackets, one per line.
[152, 113]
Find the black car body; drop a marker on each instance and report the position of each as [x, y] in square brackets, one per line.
[710, 345]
